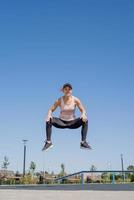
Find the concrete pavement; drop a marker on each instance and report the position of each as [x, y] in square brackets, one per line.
[65, 195]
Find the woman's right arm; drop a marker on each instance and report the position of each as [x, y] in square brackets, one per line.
[52, 109]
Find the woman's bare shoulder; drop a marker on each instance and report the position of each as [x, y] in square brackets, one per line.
[76, 99]
[59, 100]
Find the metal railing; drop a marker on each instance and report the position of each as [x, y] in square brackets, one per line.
[81, 173]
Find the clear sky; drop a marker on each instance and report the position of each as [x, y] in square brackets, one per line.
[44, 44]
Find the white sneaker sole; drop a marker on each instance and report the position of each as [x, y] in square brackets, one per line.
[86, 148]
[48, 148]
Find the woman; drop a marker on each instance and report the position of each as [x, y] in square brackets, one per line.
[67, 119]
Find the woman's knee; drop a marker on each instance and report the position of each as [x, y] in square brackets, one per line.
[85, 122]
[49, 123]
[82, 119]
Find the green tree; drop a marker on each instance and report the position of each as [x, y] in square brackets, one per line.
[92, 168]
[63, 168]
[62, 173]
[130, 175]
[130, 167]
[106, 177]
[17, 173]
[5, 163]
[52, 173]
[32, 167]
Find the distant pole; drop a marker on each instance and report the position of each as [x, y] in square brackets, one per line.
[113, 177]
[109, 168]
[122, 166]
[82, 178]
[24, 158]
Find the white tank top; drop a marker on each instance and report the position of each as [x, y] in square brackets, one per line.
[67, 112]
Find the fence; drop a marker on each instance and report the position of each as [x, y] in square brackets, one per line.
[81, 174]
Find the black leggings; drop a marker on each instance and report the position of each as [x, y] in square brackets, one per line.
[73, 124]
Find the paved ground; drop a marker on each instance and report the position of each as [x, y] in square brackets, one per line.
[74, 187]
[65, 195]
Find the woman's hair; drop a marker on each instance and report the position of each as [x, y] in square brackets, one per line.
[67, 85]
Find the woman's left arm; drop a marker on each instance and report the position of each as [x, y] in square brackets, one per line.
[82, 110]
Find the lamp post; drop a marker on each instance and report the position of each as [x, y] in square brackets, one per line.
[122, 166]
[24, 158]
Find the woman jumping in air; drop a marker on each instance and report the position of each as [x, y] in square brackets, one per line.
[67, 119]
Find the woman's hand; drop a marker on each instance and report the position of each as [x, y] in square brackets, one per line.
[83, 117]
[48, 118]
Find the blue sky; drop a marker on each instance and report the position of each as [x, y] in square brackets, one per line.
[44, 44]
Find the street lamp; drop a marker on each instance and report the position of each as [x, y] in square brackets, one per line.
[24, 159]
[122, 167]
